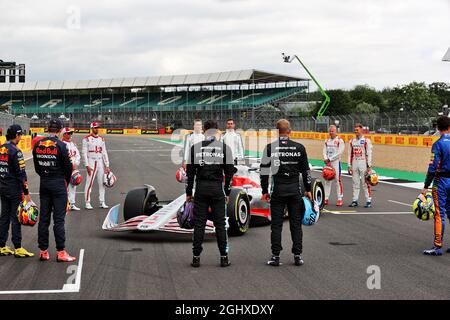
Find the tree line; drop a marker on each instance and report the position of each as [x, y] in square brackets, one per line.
[365, 99]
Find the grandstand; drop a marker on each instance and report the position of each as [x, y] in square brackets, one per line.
[249, 96]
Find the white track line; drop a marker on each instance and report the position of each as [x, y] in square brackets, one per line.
[402, 203]
[369, 213]
[167, 142]
[67, 288]
[411, 185]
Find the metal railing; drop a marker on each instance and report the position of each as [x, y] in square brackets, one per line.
[7, 119]
[414, 122]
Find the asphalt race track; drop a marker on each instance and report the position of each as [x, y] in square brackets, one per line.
[338, 251]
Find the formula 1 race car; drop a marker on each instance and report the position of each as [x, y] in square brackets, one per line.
[144, 212]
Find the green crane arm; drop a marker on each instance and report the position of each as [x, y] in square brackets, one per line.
[326, 101]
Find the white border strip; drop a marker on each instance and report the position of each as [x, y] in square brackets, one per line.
[67, 288]
[369, 213]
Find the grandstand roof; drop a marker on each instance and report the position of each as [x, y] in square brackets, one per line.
[216, 78]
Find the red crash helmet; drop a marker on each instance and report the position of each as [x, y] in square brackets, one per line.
[328, 173]
[95, 125]
[76, 178]
[181, 176]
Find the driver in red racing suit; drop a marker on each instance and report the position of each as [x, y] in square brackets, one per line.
[96, 160]
[359, 162]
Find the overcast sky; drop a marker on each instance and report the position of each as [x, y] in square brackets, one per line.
[343, 42]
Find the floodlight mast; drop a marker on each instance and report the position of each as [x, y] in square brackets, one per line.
[447, 56]
[326, 102]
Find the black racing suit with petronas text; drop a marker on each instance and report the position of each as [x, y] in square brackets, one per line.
[285, 160]
[210, 160]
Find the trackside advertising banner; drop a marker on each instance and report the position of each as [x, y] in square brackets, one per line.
[24, 144]
[86, 131]
[384, 139]
[37, 130]
[114, 131]
[132, 131]
[149, 131]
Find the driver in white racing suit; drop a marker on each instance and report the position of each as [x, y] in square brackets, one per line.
[75, 157]
[191, 139]
[234, 140]
[96, 160]
[332, 153]
[359, 161]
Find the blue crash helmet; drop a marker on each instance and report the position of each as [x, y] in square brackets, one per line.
[312, 213]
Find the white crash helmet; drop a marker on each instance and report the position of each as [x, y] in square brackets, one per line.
[109, 180]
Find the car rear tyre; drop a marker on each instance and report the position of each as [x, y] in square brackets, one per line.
[140, 201]
[238, 212]
[318, 193]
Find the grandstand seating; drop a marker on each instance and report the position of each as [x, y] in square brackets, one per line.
[164, 101]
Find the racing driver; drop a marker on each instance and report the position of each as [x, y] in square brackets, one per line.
[234, 140]
[13, 186]
[210, 160]
[332, 152]
[439, 174]
[52, 164]
[192, 138]
[285, 160]
[75, 157]
[96, 160]
[359, 162]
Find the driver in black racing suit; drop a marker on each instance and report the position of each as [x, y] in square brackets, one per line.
[285, 160]
[210, 160]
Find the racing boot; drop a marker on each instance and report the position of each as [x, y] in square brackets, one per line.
[195, 261]
[44, 256]
[298, 260]
[435, 251]
[448, 250]
[353, 204]
[22, 253]
[6, 251]
[73, 207]
[339, 203]
[224, 261]
[274, 261]
[63, 256]
[88, 206]
[325, 202]
[103, 206]
[368, 204]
